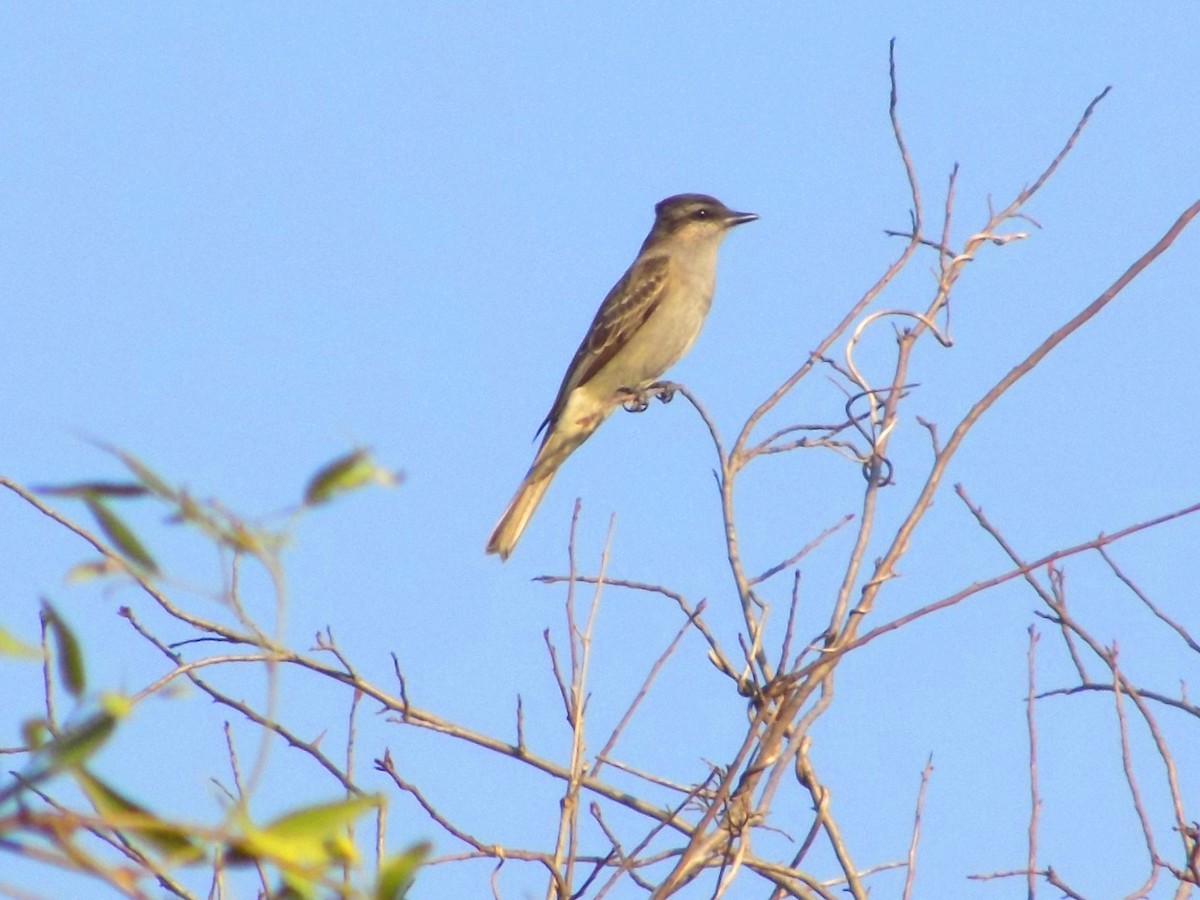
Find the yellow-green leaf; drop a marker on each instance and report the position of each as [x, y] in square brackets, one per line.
[308, 839]
[144, 474]
[81, 741]
[116, 705]
[86, 571]
[397, 872]
[65, 751]
[242, 537]
[68, 654]
[35, 733]
[120, 534]
[11, 646]
[297, 887]
[346, 473]
[169, 838]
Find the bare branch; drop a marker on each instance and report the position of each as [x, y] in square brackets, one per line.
[1131, 780]
[911, 863]
[1035, 801]
[602, 756]
[1171, 623]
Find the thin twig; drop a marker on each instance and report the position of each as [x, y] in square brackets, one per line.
[1131, 780]
[1035, 801]
[910, 874]
[1141, 595]
[602, 756]
[803, 551]
[820, 796]
[1102, 541]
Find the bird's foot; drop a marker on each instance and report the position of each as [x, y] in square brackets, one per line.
[635, 401]
[664, 390]
[638, 400]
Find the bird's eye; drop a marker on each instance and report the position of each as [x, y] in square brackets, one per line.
[701, 214]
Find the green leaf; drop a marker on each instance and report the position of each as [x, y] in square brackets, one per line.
[68, 654]
[144, 474]
[168, 838]
[120, 534]
[11, 646]
[397, 872]
[76, 745]
[116, 705]
[35, 733]
[296, 887]
[309, 839]
[66, 751]
[242, 537]
[346, 473]
[86, 571]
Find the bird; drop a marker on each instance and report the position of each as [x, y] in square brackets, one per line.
[647, 322]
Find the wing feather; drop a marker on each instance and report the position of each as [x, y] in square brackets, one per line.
[631, 301]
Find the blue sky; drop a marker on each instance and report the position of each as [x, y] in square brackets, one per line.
[243, 239]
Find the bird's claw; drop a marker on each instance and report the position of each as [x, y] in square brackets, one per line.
[638, 400]
[635, 401]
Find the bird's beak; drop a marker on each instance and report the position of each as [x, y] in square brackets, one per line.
[739, 218]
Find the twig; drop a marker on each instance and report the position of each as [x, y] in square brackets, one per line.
[957, 597]
[911, 862]
[803, 551]
[602, 756]
[1171, 623]
[1048, 873]
[1035, 801]
[566, 846]
[1182, 705]
[785, 649]
[900, 542]
[820, 796]
[626, 864]
[493, 851]
[717, 654]
[1131, 780]
[242, 801]
[268, 725]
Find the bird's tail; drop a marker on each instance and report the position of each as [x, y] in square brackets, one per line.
[559, 443]
[508, 530]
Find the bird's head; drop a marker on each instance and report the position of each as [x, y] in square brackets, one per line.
[696, 217]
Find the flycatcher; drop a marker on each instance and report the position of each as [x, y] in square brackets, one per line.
[647, 322]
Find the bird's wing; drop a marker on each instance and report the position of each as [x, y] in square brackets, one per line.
[627, 306]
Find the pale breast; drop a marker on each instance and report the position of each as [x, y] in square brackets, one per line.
[670, 330]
